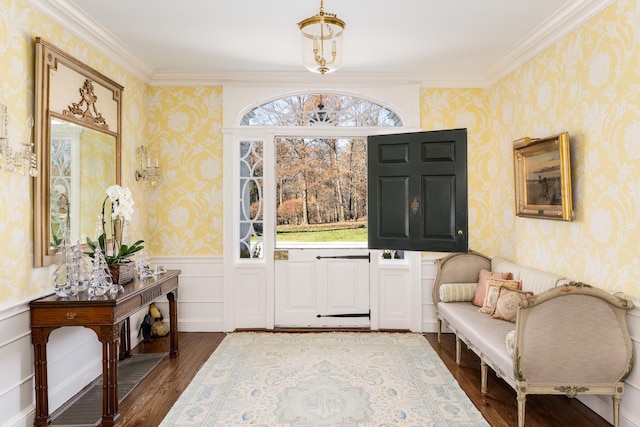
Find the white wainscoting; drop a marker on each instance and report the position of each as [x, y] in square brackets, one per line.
[602, 405]
[428, 267]
[393, 296]
[200, 293]
[250, 298]
[73, 361]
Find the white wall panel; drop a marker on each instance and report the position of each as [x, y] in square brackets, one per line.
[395, 298]
[250, 298]
[200, 294]
[428, 267]
[73, 356]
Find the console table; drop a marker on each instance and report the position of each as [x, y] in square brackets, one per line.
[105, 316]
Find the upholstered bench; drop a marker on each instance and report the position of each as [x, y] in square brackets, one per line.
[564, 338]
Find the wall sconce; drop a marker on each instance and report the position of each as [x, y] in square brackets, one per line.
[148, 168]
[23, 160]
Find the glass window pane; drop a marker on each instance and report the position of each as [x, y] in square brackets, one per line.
[251, 199]
[322, 109]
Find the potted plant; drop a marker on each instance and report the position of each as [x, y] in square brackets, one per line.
[116, 253]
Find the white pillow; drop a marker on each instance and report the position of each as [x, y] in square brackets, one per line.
[457, 292]
[510, 341]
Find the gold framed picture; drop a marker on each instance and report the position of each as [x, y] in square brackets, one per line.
[543, 177]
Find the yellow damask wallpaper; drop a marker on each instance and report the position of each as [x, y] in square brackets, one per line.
[185, 211]
[467, 108]
[19, 25]
[587, 84]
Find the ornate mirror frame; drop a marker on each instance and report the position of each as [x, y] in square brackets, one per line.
[71, 92]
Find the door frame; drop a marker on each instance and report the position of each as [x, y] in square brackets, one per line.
[248, 290]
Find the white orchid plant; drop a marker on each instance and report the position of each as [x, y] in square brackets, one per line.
[121, 211]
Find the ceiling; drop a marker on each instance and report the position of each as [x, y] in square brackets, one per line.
[431, 42]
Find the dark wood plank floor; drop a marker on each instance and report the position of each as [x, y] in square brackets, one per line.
[499, 406]
[148, 404]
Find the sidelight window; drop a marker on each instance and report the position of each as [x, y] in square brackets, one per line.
[251, 199]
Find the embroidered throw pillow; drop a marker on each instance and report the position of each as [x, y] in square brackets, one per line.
[457, 292]
[478, 299]
[493, 291]
[508, 303]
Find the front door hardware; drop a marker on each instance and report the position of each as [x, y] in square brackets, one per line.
[281, 255]
[347, 315]
[367, 257]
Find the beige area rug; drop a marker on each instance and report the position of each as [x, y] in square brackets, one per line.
[335, 379]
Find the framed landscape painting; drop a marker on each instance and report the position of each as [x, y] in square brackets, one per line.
[543, 177]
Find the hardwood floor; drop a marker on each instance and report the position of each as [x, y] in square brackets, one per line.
[499, 406]
[148, 404]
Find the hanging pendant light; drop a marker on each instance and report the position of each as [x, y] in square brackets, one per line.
[322, 41]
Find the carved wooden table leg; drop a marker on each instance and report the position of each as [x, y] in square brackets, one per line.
[125, 339]
[109, 336]
[39, 338]
[173, 324]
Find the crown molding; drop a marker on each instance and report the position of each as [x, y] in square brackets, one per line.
[304, 77]
[569, 18]
[566, 20]
[86, 28]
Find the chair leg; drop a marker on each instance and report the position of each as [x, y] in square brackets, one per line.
[483, 377]
[458, 350]
[616, 410]
[439, 329]
[522, 400]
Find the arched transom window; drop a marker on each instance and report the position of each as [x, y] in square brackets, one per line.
[321, 109]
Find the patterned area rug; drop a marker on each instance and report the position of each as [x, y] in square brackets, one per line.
[324, 379]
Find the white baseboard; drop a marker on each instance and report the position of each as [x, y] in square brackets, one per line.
[23, 419]
[201, 325]
[429, 327]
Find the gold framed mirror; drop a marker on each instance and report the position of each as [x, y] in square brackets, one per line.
[78, 142]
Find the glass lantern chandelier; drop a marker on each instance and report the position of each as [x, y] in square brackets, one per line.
[322, 41]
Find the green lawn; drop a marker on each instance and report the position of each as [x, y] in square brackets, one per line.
[331, 232]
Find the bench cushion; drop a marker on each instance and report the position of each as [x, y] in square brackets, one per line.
[484, 335]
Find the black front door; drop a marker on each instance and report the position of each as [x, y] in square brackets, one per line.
[417, 191]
